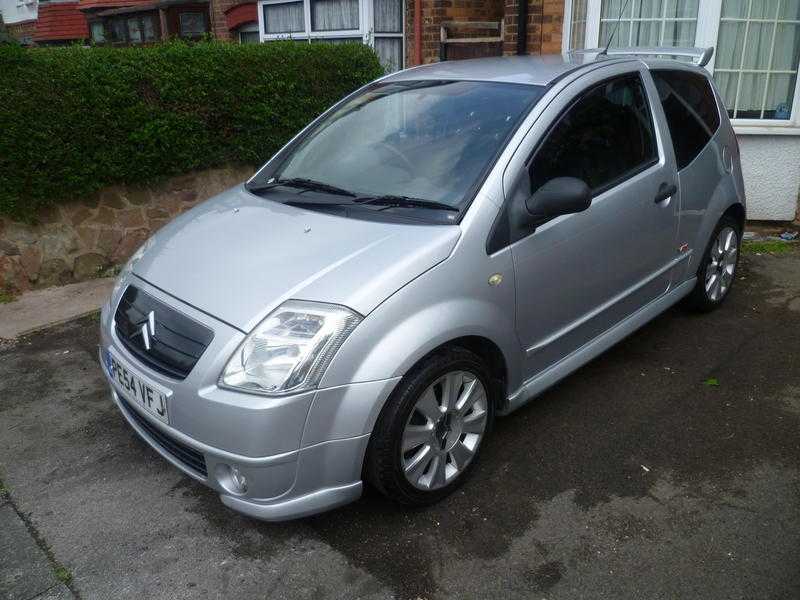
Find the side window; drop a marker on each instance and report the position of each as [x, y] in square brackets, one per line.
[604, 137]
[692, 114]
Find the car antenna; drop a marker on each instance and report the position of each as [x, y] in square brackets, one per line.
[604, 52]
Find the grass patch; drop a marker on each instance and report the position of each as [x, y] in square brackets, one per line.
[767, 246]
[6, 297]
[63, 575]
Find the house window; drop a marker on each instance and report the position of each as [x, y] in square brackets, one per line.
[334, 15]
[757, 58]
[192, 24]
[284, 17]
[649, 22]
[756, 42]
[98, 32]
[577, 23]
[135, 31]
[126, 29]
[149, 28]
[248, 34]
[119, 33]
[388, 40]
[377, 23]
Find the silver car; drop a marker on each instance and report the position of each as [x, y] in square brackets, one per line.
[432, 252]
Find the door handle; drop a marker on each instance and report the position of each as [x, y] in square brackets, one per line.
[665, 190]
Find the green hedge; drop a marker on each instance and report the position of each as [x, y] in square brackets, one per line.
[73, 120]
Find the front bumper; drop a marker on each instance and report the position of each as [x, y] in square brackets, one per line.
[312, 477]
[299, 454]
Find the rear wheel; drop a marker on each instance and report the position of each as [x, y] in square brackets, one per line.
[429, 434]
[717, 270]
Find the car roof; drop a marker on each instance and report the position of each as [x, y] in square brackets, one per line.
[528, 70]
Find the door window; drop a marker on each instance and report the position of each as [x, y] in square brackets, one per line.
[692, 114]
[605, 137]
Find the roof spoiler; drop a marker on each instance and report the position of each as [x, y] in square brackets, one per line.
[701, 56]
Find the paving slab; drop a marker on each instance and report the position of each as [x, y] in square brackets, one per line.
[25, 570]
[39, 309]
[633, 478]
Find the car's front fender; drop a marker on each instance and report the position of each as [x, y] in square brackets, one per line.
[450, 301]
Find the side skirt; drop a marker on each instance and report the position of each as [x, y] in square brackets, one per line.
[550, 376]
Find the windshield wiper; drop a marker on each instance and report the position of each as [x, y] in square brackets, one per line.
[404, 202]
[306, 184]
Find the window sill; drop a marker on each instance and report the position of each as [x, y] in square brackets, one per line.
[766, 129]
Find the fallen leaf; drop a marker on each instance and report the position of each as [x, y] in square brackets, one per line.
[713, 381]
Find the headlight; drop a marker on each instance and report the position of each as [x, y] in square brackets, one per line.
[290, 349]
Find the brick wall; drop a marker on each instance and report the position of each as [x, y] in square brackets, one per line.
[219, 25]
[436, 11]
[545, 24]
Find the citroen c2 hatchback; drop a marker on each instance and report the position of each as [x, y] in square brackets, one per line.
[433, 251]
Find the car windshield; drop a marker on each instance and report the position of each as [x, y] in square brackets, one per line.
[427, 140]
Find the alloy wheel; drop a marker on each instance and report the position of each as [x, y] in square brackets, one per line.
[444, 430]
[722, 264]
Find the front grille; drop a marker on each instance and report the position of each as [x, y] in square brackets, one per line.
[186, 455]
[175, 341]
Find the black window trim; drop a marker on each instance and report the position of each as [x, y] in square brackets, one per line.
[492, 244]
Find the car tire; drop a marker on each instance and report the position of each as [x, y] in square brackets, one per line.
[426, 441]
[716, 272]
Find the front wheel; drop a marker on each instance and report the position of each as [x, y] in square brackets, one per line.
[717, 270]
[428, 436]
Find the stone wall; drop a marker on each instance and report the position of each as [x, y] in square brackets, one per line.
[87, 238]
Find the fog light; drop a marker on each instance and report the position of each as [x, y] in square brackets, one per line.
[238, 479]
[231, 478]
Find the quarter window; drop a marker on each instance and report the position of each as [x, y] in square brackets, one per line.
[692, 114]
[603, 138]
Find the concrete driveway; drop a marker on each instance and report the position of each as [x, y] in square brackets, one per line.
[668, 468]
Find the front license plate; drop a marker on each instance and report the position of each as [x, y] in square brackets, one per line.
[134, 387]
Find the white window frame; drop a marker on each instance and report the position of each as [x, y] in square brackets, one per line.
[708, 21]
[366, 26]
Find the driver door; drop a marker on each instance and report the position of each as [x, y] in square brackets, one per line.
[578, 275]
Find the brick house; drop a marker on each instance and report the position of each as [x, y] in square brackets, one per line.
[19, 17]
[755, 64]
[130, 22]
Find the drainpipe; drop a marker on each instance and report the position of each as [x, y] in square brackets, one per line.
[522, 27]
[418, 32]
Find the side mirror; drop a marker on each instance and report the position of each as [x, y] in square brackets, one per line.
[559, 196]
